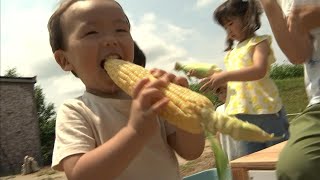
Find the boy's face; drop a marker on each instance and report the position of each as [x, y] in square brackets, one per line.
[222, 93]
[94, 30]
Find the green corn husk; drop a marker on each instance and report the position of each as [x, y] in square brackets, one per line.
[202, 69]
[221, 159]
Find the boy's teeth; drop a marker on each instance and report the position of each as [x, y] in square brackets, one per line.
[113, 57]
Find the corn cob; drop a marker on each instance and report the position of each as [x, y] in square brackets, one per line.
[202, 69]
[186, 109]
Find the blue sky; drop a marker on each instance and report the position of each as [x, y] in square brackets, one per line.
[167, 31]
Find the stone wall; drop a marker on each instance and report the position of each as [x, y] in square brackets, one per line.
[19, 128]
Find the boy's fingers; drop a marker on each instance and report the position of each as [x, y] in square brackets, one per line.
[168, 77]
[150, 96]
[157, 72]
[139, 87]
[181, 81]
[156, 107]
[159, 83]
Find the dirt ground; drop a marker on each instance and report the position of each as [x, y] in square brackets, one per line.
[205, 161]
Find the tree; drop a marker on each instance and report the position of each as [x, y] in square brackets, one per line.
[46, 117]
[11, 73]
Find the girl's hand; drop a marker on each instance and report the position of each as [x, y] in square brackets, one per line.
[193, 73]
[213, 82]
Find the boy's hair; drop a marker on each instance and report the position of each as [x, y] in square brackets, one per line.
[248, 10]
[56, 37]
[54, 25]
[139, 57]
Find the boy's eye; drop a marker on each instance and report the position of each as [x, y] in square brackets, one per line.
[121, 30]
[90, 33]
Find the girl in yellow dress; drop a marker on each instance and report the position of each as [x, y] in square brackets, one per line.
[251, 94]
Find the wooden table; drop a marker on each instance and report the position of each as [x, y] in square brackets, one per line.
[265, 159]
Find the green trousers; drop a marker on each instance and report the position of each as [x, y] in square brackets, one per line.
[300, 158]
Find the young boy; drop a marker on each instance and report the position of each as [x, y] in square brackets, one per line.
[104, 134]
[230, 146]
[296, 28]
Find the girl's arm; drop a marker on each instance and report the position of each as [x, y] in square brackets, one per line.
[296, 46]
[259, 68]
[255, 72]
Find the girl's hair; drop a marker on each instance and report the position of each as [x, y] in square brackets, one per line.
[248, 10]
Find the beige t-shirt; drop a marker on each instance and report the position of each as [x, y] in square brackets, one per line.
[89, 121]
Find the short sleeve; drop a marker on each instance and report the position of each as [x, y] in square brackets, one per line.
[73, 133]
[258, 39]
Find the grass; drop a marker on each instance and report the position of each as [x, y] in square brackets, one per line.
[293, 94]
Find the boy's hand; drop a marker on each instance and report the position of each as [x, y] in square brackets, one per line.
[158, 73]
[148, 100]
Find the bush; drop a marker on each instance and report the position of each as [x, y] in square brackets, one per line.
[211, 96]
[286, 71]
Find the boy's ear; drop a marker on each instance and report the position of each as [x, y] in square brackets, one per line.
[62, 60]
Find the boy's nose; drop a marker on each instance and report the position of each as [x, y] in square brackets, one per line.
[110, 41]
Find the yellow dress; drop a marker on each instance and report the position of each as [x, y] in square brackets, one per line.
[251, 97]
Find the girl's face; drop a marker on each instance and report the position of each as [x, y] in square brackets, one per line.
[234, 28]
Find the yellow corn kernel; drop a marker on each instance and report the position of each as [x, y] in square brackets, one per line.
[186, 109]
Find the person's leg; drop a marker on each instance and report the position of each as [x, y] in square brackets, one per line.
[300, 158]
[278, 125]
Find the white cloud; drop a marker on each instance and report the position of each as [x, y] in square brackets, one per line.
[26, 40]
[202, 3]
[161, 41]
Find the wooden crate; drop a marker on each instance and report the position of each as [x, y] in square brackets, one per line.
[265, 159]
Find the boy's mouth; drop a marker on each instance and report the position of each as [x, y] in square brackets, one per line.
[113, 56]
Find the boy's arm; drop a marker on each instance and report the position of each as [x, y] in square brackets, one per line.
[110, 159]
[188, 146]
[113, 156]
[296, 46]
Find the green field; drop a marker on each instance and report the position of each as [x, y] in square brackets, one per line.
[293, 94]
